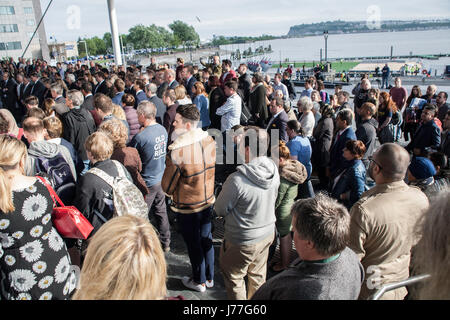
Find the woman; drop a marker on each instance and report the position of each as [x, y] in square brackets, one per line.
[94, 197]
[131, 115]
[257, 100]
[127, 156]
[48, 107]
[300, 149]
[350, 183]
[323, 94]
[34, 260]
[411, 115]
[323, 136]
[216, 99]
[182, 97]
[202, 103]
[292, 173]
[386, 111]
[124, 261]
[307, 119]
[9, 125]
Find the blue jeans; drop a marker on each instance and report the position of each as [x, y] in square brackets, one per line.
[196, 231]
[385, 81]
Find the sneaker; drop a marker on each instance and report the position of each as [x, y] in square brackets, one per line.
[209, 283]
[189, 283]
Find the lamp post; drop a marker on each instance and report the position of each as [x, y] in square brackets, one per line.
[325, 35]
[85, 48]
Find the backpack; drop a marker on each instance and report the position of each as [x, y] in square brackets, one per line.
[126, 196]
[59, 175]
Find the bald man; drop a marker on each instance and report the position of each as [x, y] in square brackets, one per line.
[383, 220]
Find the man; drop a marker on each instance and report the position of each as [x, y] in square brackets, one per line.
[153, 98]
[257, 100]
[101, 86]
[343, 98]
[78, 124]
[161, 83]
[443, 106]
[205, 77]
[231, 109]
[427, 135]
[189, 181]
[399, 95]
[445, 138]
[151, 143]
[37, 89]
[119, 91]
[367, 131]
[278, 85]
[326, 268]
[169, 99]
[385, 74]
[227, 72]
[308, 89]
[214, 66]
[31, 102]
[103, 107]
[430, 96]
[289, 85]
[140, 94]
[344, 133]
[383, 221]
[53, 159]
[9, 96]
[361, 97]
[169, 78]
[71, 82]
[279, 119]
[244, 82]
[189, 80]
[60, 102]
[247, 202]
[129, 84]
[25, 88]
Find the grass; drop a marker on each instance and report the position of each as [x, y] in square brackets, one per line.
[337, 66]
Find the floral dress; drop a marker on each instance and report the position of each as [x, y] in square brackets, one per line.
[34, 262]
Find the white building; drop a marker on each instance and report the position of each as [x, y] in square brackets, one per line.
[18, 21]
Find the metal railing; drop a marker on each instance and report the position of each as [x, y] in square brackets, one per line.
[396, 285]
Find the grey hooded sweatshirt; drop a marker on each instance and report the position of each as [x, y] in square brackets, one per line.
[48, 150]
[247, 201]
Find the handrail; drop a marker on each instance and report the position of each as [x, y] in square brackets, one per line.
[396, 285]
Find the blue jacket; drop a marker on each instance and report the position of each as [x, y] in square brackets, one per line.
[427, 135]
[202, 104]
[141, 96]
[353, 179]
[337, 161]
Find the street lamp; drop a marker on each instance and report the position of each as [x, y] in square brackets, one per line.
[325, 35]
[85, 47]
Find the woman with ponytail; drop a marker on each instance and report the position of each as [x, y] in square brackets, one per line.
[33, 256]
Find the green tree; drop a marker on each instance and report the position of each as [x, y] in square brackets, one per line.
[107, 38]
[184, 33]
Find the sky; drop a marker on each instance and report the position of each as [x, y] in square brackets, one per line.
[66, 20]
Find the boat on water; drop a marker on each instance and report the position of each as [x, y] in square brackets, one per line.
[259, 66]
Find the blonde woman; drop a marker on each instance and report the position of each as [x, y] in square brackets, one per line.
[182, 97]
[119, 113]
[124, 261]
[34, 260]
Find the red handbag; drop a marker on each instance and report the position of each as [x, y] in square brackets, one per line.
[68, 220]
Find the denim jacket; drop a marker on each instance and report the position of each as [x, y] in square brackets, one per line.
[352, 179]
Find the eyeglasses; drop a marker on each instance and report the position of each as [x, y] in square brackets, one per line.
[372, 159]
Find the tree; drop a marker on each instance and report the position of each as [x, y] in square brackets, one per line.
[184, 33]
[107, 38]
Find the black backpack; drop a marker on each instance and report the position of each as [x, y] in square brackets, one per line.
[60, 176]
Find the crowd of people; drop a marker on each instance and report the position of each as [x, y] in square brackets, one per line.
[218, 142]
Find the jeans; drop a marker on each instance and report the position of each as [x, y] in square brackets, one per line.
[385, 81]
[157, 198]
[196, 231]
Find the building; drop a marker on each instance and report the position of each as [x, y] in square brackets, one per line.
[18, 21]
[62, 52]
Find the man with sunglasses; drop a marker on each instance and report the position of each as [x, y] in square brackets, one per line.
[383, 220]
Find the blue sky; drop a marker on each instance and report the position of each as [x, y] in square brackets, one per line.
[66, 19]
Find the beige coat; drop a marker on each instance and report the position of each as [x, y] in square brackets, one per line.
[189, 175]
[382, 232]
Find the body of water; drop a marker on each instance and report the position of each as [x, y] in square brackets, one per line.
[357, 45]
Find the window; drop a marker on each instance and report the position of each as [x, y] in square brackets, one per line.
[30, 22]
[10, 46]
[9, 10]
[8, 28]
[28, 10]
